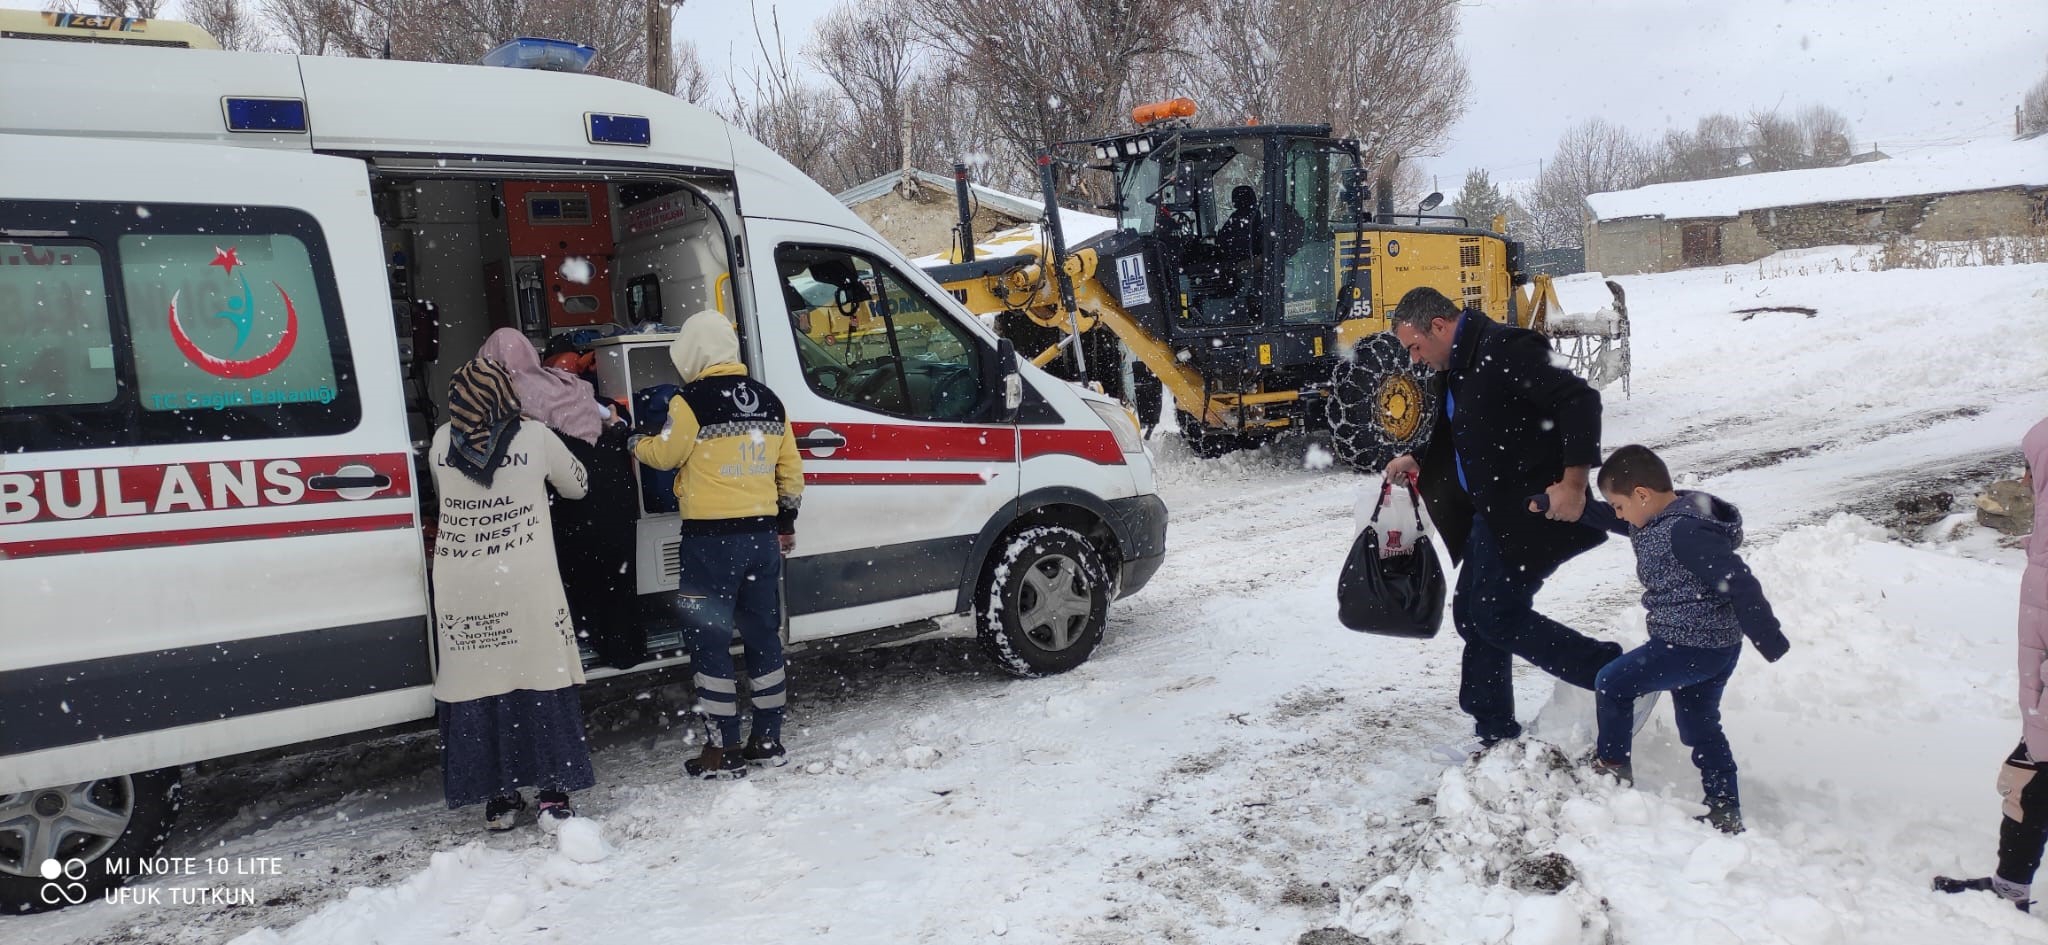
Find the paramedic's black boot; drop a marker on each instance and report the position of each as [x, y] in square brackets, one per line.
[2018, 894]
[1722, 814]
[716, 764]
[1619, 770]
[554, 808]
[765, 754]
[501, 812]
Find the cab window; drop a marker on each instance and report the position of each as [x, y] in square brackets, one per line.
[865, 337]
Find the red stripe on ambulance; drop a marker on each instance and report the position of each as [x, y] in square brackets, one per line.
[35, 548]
[118, 491]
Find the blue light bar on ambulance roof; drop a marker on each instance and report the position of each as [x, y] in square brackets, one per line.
[547, 55]
[265, 115]
[619, 129]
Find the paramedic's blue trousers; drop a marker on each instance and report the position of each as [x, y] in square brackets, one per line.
[730, 585]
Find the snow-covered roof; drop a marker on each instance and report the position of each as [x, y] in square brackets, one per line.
[1979, 165]
[1009, 205]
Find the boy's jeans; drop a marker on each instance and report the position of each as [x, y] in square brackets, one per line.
[730, 584]
[1695, 676]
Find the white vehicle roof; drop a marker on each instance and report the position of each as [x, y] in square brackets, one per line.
[386, 107]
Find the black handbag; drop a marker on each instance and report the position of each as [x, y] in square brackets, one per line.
[1396, 596]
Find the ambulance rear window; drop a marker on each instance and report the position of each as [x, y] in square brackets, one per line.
[127, 325]
[56, 345]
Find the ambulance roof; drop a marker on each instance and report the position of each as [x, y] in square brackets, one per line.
[388, 107]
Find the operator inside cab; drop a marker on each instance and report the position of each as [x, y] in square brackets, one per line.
[1242, 237]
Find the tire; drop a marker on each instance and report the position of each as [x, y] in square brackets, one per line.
[142, 807]
[1204, 441]
[1379, 406]
[1043, 601]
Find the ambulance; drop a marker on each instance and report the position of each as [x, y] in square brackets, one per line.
[232, 289]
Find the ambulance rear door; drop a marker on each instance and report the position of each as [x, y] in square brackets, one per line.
[208, 537]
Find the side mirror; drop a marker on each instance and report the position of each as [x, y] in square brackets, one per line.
[1009, 379]
[1431, 202]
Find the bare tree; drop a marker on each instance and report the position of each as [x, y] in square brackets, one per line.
[306, 26]
[146, 9]
[2033, 109]
[1053, 70]
[1386, 73]
[1775, 142]
[228, 22]
[1713, 148]
[796, 120]
[866, 48]
[688, 79]
[1824, 136]
[1593, 157]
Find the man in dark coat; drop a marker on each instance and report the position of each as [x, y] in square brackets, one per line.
[1510, 425]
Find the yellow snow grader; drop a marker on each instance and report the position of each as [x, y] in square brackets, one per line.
[1246, 276]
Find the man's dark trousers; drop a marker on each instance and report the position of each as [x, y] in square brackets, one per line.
[1495, 613]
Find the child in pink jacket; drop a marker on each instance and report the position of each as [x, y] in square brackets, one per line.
[2024, 831]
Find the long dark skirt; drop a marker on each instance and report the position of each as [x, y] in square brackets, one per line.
[499, 744]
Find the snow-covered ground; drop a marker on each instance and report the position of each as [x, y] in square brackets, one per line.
[1234, 767]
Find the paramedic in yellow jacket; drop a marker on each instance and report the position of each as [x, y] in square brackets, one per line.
[738, 482]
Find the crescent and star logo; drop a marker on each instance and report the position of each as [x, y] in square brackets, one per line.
[745, 399]
[241, 313]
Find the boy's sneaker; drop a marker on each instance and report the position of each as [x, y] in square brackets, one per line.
[2015, 893]
[1619, 770]
[765, 754]
[731, 765]
[500, 813]
[554, 807]
[1723, 815]
[1646, 705]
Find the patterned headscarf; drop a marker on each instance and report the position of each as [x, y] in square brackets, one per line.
[483, 413]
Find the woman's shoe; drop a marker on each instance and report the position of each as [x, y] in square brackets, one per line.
[554, 808]
[501, 813]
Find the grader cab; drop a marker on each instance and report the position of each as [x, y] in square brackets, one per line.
[1247, 276]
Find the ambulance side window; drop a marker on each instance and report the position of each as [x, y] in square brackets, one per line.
[244, 326]
[126, 325]
[868, 338]
[56, 341]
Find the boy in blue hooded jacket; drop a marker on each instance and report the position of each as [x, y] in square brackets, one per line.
[1702, 600]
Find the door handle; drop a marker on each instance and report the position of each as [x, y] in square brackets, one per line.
[374, 481]
[820, 439]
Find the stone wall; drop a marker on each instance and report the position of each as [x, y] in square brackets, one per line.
[2020, 211]
[1620, 247]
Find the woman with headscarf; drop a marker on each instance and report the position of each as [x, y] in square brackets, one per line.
[594, 537]
[505, 688]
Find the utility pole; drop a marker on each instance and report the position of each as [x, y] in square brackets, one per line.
[660, 26]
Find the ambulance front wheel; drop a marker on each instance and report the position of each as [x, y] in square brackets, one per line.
[66, 845]
[1043, 601]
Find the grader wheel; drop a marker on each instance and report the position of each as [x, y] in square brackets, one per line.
[1379, 406]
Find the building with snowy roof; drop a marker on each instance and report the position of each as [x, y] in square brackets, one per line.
[1989, 188]
[916, 210]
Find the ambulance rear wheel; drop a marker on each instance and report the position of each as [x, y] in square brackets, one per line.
[1043, 601]
[1379, 406]
[60, 846]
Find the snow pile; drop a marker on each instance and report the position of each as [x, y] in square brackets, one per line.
[1867, 756]
[1979, 165]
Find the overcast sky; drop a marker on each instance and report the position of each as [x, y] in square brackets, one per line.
[1906, 73]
